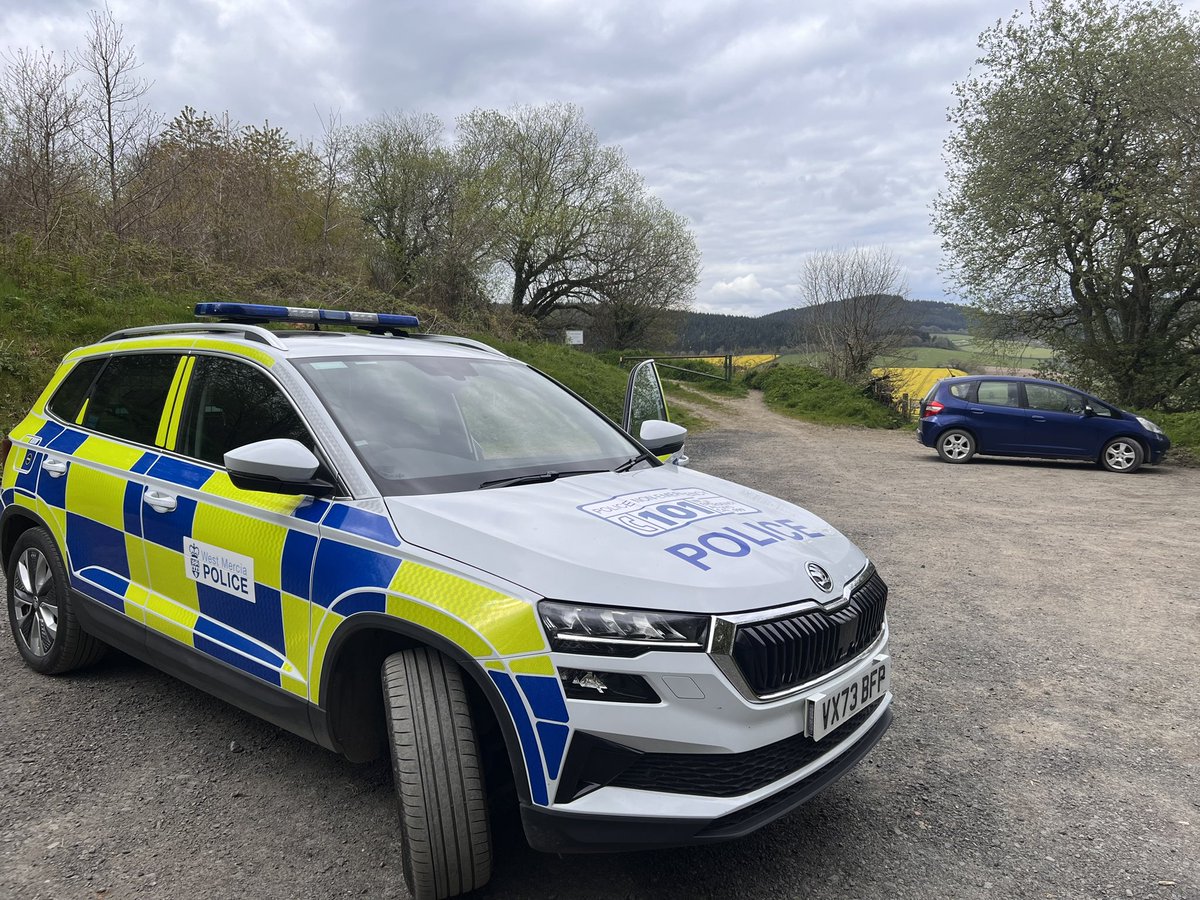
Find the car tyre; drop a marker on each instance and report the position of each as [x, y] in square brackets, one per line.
[446, 845]
[1122, 455]
[44, 627]
[956, 446]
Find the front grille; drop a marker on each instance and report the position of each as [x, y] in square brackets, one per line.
[733, 774]
[780, 654]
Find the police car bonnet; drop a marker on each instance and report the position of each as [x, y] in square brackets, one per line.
[664, 538]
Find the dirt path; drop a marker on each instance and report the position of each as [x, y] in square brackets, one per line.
[1044, 622]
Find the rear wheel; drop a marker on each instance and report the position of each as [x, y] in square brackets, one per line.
[1122, 455]
[446, 841]
[48, 636]
[956, 446]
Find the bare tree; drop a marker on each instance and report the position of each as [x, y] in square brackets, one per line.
[331, 158]
[43, 170]
[855, 303]
[115, 126]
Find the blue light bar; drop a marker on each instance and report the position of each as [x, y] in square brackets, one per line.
[263, 312]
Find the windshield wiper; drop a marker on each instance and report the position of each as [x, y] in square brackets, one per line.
[537, 477]
[644, 456]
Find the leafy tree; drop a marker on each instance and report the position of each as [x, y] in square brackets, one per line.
[417, 200]
[569, 213]
[661, 267]
[1073, 180]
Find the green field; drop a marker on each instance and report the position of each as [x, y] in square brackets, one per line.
[968, 353]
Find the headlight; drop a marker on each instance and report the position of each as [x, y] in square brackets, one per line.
[1149, 426]
[599, 630]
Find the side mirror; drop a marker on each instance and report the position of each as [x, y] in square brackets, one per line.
[662, 438]
[1088, 412]
[277, 466]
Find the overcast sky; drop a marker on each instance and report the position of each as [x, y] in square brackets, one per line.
[778, 127]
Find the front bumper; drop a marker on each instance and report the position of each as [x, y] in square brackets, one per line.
[705, 764]
[556, 830]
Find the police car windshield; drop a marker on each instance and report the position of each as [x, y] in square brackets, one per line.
[434, 424]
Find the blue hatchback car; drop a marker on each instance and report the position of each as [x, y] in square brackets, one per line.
[1004, 416]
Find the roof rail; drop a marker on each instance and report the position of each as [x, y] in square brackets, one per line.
[453, 339]
[249, 332]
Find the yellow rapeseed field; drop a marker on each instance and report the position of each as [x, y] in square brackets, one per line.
[747, 361]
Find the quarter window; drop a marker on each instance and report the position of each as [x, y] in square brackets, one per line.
[232, 404]
[961, 390]
[998, 393]
[68, 400]
[127, 401]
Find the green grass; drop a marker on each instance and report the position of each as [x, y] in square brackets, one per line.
[806, 393]
[1184, 431]
[39, 324]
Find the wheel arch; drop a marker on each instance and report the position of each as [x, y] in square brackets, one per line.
[959, 426]
[1128, 435]
[351, 698]
[14, 522]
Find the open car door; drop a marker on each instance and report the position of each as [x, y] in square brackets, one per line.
[646, 415]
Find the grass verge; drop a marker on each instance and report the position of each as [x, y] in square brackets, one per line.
[805, 393]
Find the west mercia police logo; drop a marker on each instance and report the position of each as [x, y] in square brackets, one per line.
[220, 569]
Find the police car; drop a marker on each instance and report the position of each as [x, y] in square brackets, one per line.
[382, 539]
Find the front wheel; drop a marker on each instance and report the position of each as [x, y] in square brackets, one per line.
[446, 840]
[956, 446]
[1122, 455]
[48, 636]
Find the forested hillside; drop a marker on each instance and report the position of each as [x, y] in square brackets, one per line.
[720, 333]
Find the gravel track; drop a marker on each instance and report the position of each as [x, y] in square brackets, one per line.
[1044, 625]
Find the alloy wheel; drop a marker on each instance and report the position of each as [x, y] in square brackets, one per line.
[956, 446]
[34, 602]
[1120, 455]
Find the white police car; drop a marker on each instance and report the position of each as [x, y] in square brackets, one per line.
[413, 541]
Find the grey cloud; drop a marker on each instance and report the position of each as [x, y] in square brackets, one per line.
[779, 128]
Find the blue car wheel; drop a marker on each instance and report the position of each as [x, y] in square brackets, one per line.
[1122, 455]
[956, 446]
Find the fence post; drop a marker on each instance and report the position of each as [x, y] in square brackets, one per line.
[728, 368]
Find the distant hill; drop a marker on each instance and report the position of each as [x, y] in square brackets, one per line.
[721, 333]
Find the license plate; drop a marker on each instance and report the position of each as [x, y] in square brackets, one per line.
[841, 700]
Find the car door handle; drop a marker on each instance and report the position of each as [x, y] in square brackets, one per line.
[977, 412]
[56, 468]
[1039, 418]
[157, 500]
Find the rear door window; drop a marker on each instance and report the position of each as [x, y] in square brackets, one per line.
[128, 398]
